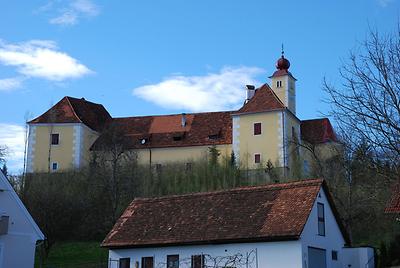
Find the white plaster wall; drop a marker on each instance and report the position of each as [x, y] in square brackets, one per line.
[18, 245]
[269, 254]
[359, 257]
[333, 239]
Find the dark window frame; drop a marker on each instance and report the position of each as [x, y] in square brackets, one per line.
[124, 263]
[54, 138]
[334, 255]
[257, 129]
[195, 259]
[175, 258]
[143, 263]
[54, 164]
[321, 220]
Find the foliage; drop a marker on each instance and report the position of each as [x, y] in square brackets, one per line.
[367, 105]
[74, 254]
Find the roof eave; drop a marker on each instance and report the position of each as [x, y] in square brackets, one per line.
[204, 242]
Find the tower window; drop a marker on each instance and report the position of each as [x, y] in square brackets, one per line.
[257, 158]
[257, 128]
[279, 83]
[55, 139]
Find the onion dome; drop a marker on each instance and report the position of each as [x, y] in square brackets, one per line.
[282, 63]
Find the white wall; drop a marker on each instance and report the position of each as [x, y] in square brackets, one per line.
[333, 239]
[18, 245]
[269, 254]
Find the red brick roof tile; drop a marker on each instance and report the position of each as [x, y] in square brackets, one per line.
[264, 100]
[212, 128]
[317, 131]
[73, 110]
[260, 213]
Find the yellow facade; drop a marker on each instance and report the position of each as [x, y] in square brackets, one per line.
[188, 154]
[73, 150]
[267, 144]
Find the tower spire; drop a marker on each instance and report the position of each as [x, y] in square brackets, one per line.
[283, 52]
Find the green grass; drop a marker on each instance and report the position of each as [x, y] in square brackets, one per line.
[74, 254]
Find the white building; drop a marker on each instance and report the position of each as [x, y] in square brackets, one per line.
[281, 225]
[19, 233]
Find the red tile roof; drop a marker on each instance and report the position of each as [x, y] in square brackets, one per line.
[317, 131]
[264, 100]
[247, 214]
[166, 130]
[73, 110]
[394, 202]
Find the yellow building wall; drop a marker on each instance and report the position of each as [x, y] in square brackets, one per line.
[89, 137]
[61, 153]
[267, 144]
[73, 150]
[180, 154]
[293, 140]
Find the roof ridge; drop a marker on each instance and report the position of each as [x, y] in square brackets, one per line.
[73, 109]
[165, 115]
[285, 185]
[273, 93]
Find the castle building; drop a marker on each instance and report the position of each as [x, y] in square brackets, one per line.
[265, 129]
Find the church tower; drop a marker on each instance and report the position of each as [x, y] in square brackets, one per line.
[284, 84]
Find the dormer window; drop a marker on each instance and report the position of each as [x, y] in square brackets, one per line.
[278, 83]
[55, 139]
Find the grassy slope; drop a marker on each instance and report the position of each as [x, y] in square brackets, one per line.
[74, 254]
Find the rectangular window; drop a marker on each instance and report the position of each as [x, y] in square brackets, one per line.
[197, 261]
[321, 219]
[257, 158]
[257, 128]
[147, 262]
[188, 167]
[54, 166]
[278, 83]
[173, 261]
[124, 263]
[334, 255]
[55, 139]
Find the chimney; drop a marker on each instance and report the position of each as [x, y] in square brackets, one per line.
[250, 90]
[183, 121]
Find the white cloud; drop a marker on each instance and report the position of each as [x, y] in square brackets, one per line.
[66, 18]
[212, 92]
[384, 3]
[73, 12]
[12, 136]
[42, 59]
[8, 84]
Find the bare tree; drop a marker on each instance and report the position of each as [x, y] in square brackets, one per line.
[367, 104]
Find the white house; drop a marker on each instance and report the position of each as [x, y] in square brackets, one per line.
[19, 233]
[285, 225]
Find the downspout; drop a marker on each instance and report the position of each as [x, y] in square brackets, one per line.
[284, 143]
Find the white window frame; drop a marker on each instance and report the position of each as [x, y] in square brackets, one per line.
[261, 128]
[52, 165]
[254, 158]
[279, 83]
[59, 139]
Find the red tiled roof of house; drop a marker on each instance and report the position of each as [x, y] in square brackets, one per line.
[264, 100]
[394, 203]
[247, 214]
[317, 131]
[73, 110]
[212, 128]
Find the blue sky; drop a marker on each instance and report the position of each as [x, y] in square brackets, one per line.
[158, 57]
